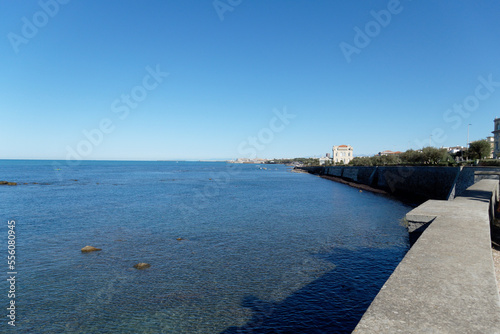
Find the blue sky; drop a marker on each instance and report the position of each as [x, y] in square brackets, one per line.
[67, 68]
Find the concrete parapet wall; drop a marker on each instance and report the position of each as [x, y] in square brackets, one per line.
[446, 282]
[469, 175]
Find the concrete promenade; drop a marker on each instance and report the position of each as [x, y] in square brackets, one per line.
[446, 282]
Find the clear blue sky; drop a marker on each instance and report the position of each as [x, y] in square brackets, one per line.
[225, 77]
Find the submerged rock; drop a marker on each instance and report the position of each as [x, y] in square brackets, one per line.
[5, 183]
[87, 249]
[142, 265]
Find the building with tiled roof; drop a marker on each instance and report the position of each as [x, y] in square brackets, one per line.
[342, 154]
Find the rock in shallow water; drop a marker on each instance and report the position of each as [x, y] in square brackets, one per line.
[142, 265]
[87, 249]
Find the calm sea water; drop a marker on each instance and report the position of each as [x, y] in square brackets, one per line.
[262, 250]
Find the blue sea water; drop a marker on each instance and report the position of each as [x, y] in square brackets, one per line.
[263, 250]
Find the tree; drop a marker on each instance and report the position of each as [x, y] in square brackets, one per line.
[432, 155]
[411, 156]
[361, 161]
[479, 149]
[426, 156]
[391, 159]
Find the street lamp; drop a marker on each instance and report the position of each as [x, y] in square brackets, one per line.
[468, 135]
[468, 144]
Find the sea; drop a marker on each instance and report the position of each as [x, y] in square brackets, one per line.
[232, 248]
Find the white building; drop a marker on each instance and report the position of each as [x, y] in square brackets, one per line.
[455, 149]
[496, 133]
[342, 153]
[491, 140]
[324, 160]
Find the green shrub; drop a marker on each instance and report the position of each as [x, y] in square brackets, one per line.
[426, 156]
[489, 162]
[479, 149]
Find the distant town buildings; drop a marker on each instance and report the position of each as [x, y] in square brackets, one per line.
[342, 154]
[387, 152]
[455, 149]
[324, 160]
[248, 161]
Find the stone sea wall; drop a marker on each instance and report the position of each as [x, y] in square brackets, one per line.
[424, 182]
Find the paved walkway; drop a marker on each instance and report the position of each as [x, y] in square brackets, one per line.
[495, 238]
[496, 260]
[446, 282]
